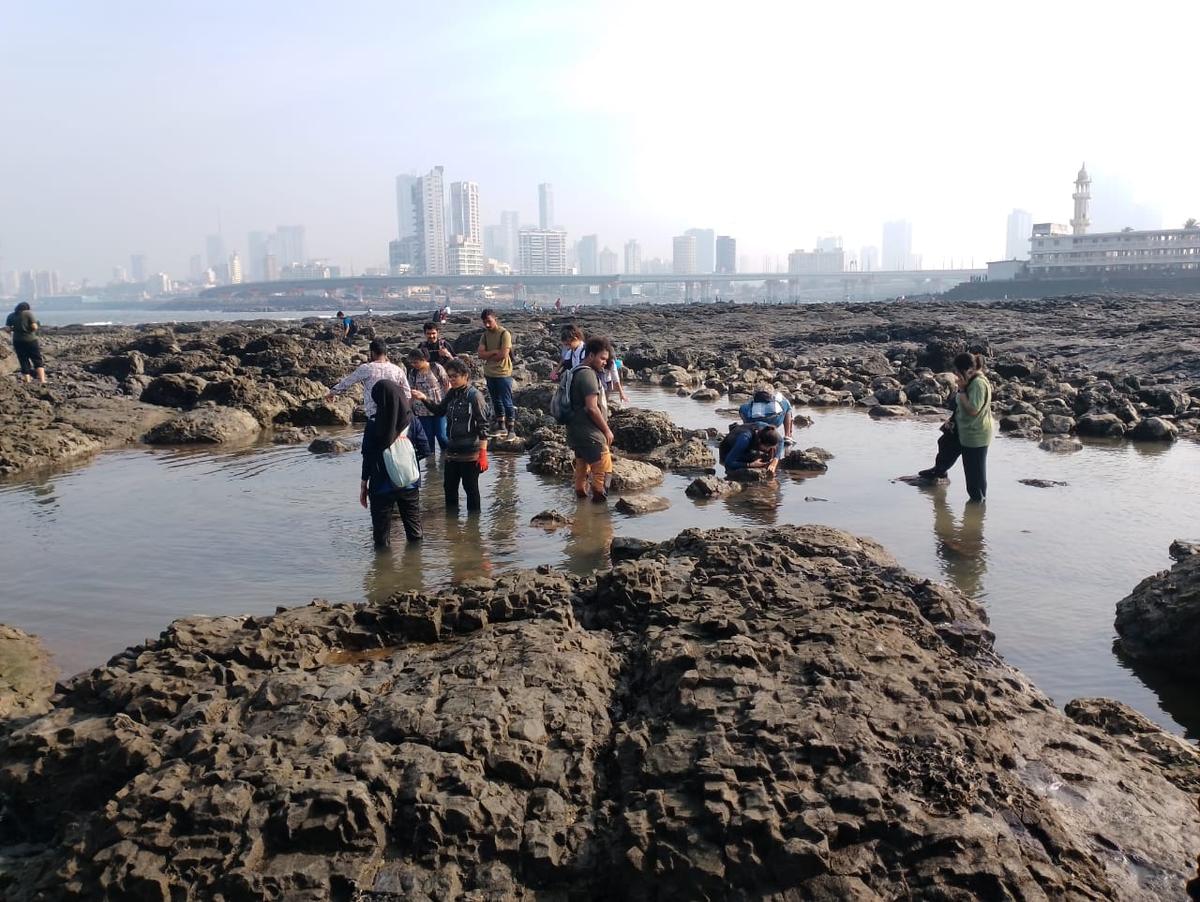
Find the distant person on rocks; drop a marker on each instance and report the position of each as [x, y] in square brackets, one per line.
[435, 346]
[368, 374]
[611, 380]
[429, 380]
[588, 434]
[467, 434]
[969, 431]
[558, 305]
[495, 350]
[391, 473]
[770, 408]
[571, 354]
[24, 328]
[347, 326]
[750, 446]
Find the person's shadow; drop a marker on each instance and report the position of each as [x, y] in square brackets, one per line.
[961, 549]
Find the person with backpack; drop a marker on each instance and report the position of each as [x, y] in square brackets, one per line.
[578, 403]
[431, 380]
[571, 354]
[393, 446]
[435, 346]
[467, 434]
[749, 446]
[769, 408]
[970, 430]
[495, 350]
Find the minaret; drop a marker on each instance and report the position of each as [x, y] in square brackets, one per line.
[1082, 196]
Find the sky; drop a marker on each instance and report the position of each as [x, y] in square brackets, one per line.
[135, 127]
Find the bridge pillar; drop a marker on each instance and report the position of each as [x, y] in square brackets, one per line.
[519, 294]
[706, 291]
[793, 290]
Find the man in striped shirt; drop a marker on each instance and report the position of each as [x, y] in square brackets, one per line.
[370, 373]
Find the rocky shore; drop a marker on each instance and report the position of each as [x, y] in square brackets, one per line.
[730, 714]
[1115, 367]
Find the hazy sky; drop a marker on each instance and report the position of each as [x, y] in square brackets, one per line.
[128, 125]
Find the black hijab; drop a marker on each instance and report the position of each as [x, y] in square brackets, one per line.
[393, 413]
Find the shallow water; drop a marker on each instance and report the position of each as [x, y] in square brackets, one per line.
[105, 554]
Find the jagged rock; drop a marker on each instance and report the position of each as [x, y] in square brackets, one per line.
[882, 411]
[551, 459]
[174, 390]
[535, 397]
[205, 425]
[338, 412]
[1159, 621]
[627, 548]
[921, 481]
[637, 505]
[1100, 424]
[819, 453]
[1061, 444]
[1180, 549]
[555, 435]
[262, 400]
[121, 366]
[1041, 483]
[1057, 424]
[328, 446]
[1155, 429]
[509, 444]
[712, 487]
[691, 454]
[675, 376]
[805, 460]
[705, 394]
[639, 431]
[790, 715]
[26, 676]
[890, 397]
[551, 519]
[154, 344]
[292, 435]
[631, 475]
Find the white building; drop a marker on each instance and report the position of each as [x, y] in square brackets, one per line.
[546, 206]
[406, 212]
[810, 262]
[609, 262]
[633, 257]
[543, 252]
[706, 255]
[1020, 227]
[1056, 252]
[588, 253]
[236, 277]
[429, 202]
[868, 258]
[464, 258]
[897, 245]
[510, 222]
[289, 244]
[683, 258]
[464, 211]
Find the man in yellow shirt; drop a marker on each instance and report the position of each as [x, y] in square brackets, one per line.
[495, 350]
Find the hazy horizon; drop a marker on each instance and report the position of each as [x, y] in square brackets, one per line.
[131, 129]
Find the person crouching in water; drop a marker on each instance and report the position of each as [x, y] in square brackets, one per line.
[750, 446]
[769, 408]
[466, 434]
[969, 431]
[588, 434]
[392, 448]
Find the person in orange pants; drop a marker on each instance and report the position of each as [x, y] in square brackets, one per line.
[588, 434]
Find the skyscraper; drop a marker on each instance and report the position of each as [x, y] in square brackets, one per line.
[256, 256]
[633, 257]
[494, 243]
[510, 221]
[137, 267]
[608, 262]
[543, 252]
[705, 249]
[214, 250]
[196, 267]
[726, 254]
[429, 200]
[464, 211]
[683, 260]
[897, 245]
[1020, 228]
[289, 242]
[464, 258]
[235, 269]
[406, 214]
[545, 206]
[589, 255]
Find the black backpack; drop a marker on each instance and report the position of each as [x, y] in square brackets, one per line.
[735, 430]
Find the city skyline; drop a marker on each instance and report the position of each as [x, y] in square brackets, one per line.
[227, 162]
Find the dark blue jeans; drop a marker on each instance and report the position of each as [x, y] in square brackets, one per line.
[435, 428]
[500, 390]
[975, 470]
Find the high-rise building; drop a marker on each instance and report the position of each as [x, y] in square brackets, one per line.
[510, 222]
[120, 275]
[256, 255]
[270, 268]
[683, 260]
[45, 284]
[868, 258]
[829, 243]
[817, 261]
[633, 257]
[11, 284]
[464, 258]
[726, 255]
[588, 253]
[545, 206]
[1020, 228]
[406, 214]
[609, 263]
[289, 245]
[157, 284]
[543, 252]
[26, 286]
[196, 267]
[214, 250]
[464, 211]
[429, 199]
[137, 267]
[493, 243]
[705, 249]
[897, 245]
[235, 269]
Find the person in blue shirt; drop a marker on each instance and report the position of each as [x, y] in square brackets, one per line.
[769, 408]
[752, 448]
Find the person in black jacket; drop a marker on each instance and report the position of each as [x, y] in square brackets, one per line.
[377, 492]
[466, 431]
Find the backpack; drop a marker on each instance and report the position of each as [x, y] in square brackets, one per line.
[560, 403]
[735, 430]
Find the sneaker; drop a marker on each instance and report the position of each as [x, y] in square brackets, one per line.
[931, 473]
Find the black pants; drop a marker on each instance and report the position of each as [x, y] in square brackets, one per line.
[975, 470]
[948, 451]
[408, 503]
[466, 472]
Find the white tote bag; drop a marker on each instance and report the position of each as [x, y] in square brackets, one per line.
[400, 458]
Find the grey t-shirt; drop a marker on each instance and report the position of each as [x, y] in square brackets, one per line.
[22, 325]
[583, 435]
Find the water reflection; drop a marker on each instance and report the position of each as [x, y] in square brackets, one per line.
[758, 504]
[961, 549]
[469, 556]
[1178, 697]
[590, 537]
[396, 569]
